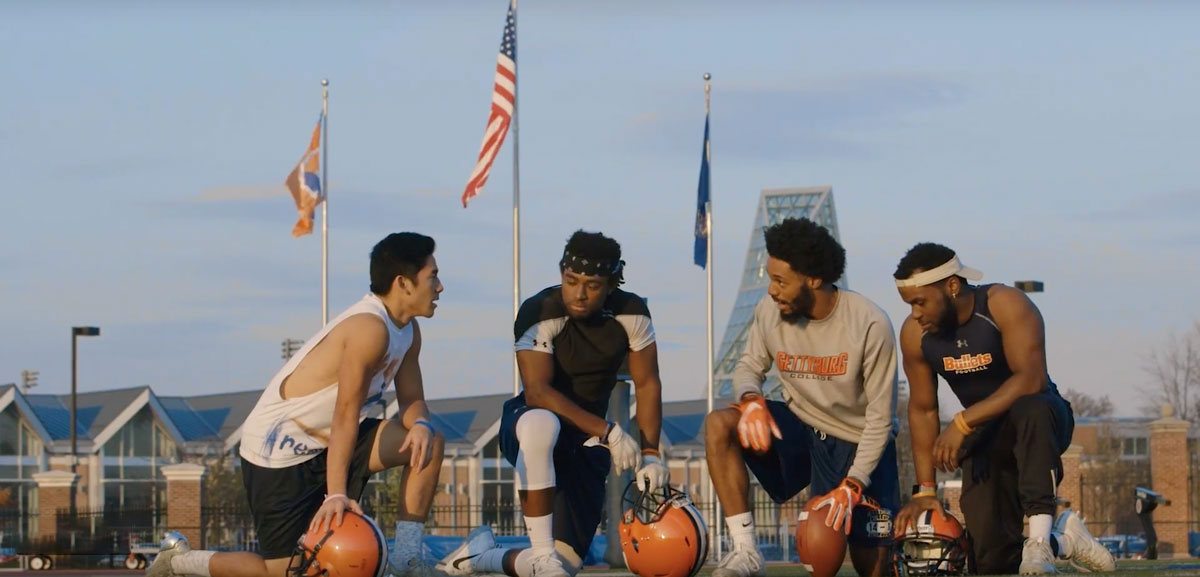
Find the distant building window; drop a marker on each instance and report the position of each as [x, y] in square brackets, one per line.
[1135, 447]
[141, 437]
[133, 459]
[498, 508]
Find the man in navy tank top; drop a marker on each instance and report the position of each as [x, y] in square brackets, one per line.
[988, 343]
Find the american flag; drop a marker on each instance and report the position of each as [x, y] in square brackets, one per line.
[503, 99]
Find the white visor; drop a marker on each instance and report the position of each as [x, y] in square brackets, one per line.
[952, 267]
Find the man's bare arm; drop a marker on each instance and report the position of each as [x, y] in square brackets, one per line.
[923, 422]
[537, 371]
[643, 368]
[410, 386]
[364, 344]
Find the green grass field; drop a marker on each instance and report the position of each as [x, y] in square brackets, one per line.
[1125, 568]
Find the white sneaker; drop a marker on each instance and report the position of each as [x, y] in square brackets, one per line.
[548, 566]
[407, 557]
[172, 544]
[461, 561]
[1037, 558]
[1087, 554]
[741, 562]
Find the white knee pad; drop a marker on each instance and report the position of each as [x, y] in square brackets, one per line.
[537, 432]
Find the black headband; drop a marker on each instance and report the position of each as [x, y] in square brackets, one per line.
[591, 267]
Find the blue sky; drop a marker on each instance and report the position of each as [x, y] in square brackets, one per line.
[145, 144]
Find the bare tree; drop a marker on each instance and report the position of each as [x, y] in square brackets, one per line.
[1085, 405]
[1174, 370]
[1109, 479]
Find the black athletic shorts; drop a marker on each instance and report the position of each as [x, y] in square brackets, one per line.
[283, 501]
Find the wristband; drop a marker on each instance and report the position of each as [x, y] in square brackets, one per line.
[426, 423]
[328, 497]
[924, 493]
[960, 423]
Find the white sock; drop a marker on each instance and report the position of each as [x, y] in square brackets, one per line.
[541, 534]
[741, 529]
[192, 563]
[1039, 527]
[490, 561]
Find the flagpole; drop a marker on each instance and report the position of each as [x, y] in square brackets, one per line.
[516, 206]
[708, 230]
[325, 201]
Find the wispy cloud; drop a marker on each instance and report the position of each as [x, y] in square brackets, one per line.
[644, 119]
[238, 192]
[1173, 205]
[813, 118]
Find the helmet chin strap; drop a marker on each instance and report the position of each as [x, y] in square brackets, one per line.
[308, 557]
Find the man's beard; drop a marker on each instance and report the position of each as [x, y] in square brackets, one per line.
[801, 306]
[948, 323]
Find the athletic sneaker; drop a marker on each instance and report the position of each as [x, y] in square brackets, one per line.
[1087, 554]
[548, 566]
[173, 544]
[461, 561]
[1037, 558]
[741, 562]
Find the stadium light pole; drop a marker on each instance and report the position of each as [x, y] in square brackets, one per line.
[77, 332]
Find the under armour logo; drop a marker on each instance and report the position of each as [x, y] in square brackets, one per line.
[962, 343]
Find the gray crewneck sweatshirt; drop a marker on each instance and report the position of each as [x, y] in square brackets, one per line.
[839, 373]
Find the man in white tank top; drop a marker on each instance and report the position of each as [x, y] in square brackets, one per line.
[308, 448]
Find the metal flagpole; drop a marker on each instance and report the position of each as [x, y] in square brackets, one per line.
[516, 205]
[324, 201]
[708, 230]
[517, 511]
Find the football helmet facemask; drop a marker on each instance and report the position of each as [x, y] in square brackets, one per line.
[662, 533]
[357, 548]
[934, 544]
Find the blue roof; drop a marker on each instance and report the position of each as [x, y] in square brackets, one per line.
[214, 417]
[682, 428]
[454, 426]
[190, 424]
[57, 418]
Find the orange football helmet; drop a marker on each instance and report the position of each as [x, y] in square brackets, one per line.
[934, 545]
[355, 549]
[662, 533]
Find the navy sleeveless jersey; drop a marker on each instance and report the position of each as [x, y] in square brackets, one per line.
[971, 358]
[587, 352]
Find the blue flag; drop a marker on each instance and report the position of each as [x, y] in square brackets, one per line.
[702, 199]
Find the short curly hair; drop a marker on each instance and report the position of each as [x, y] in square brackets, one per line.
[807, 247]
[923, 256]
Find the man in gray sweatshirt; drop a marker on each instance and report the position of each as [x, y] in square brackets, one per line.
[835, 351]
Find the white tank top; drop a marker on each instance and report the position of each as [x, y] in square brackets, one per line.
[282, 432]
